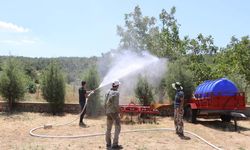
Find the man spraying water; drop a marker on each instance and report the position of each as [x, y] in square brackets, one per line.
[83, 94]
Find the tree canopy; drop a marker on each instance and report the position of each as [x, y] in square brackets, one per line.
[192, 60]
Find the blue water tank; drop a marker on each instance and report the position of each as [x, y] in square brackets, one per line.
[222, 86]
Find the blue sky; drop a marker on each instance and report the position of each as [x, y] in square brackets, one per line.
[53, 28]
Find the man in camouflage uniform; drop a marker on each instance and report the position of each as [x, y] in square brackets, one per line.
[178, 109]
[112, 111]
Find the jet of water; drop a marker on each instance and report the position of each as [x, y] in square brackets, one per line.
[127, 63]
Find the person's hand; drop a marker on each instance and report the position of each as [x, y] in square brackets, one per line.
[90, 92]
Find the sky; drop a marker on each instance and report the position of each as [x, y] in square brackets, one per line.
[81, 28]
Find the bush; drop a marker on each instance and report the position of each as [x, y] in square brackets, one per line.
[92, 78]
[53, 88]
[143, 91]
[32, 87]
[12, 82]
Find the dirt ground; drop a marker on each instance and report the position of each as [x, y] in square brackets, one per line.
[14, 134]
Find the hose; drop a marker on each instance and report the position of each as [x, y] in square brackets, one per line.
[128, 131]
[67, 123]
[101, 134]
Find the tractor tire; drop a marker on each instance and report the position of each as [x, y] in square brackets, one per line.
[225, 118]
[190, 114]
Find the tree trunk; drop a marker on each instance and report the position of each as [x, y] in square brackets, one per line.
[161, 96]
[10, 104]
[245, 90]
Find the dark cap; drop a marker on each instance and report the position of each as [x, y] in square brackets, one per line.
[83, 83]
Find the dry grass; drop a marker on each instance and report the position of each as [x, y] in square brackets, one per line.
[15, 128]
[70, 97]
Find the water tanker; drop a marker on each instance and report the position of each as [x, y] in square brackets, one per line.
[217, 98]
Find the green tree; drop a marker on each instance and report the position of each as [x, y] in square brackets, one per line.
[178, 73]
[169, 41]
[1, 65]
[242, 54]
[144, 91]
[12, 82]
[202, 45]
[142, 33]
[31, 87]
[92, 82]
[53, 87]
[135, 34]
[201, 56]
[235, 61]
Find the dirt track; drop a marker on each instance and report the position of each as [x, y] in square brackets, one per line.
[15, 128]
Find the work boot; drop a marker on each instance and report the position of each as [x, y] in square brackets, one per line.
[117, 147]
[183, 137]
[81, 124]
[108, 145]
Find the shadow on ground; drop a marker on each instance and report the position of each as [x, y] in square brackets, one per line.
[222, 126]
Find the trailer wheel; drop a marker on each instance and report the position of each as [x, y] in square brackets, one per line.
[190, 114]
[163, 112]
[226, 118]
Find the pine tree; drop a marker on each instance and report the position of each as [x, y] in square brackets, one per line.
[92, 82]
[53, 87]
[12, 82]
[143, 91]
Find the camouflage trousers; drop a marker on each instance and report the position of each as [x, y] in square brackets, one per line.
[178, 120]
[113, 118]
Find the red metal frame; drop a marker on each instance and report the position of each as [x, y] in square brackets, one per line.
[219, 102]
[138, 109]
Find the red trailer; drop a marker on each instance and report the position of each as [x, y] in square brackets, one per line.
[217, 98]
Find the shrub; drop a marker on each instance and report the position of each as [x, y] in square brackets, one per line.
[143, 91]
[92, 78]
[12, 82]
[53, 87]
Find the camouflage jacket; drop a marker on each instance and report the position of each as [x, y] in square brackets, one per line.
[112, 102]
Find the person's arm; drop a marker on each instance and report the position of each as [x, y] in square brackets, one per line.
[87, 93]
[116, 102]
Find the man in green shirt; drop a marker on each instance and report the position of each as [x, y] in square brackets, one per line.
[83, 94]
